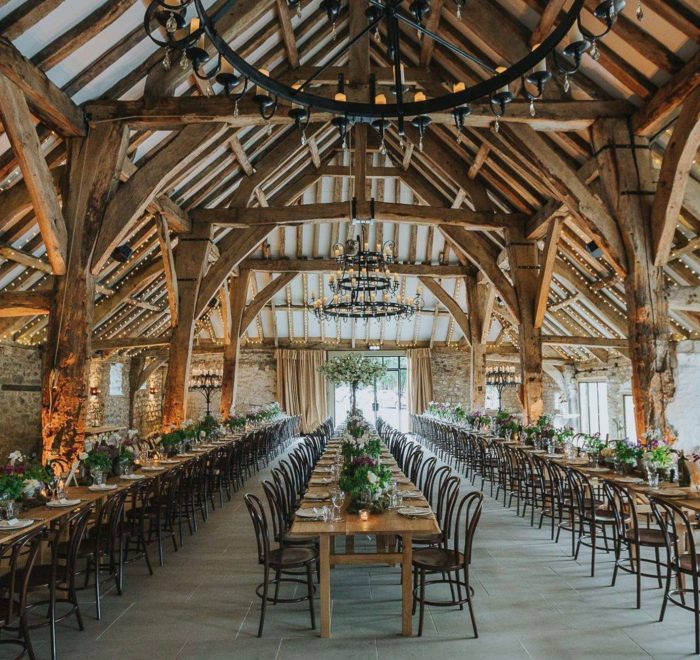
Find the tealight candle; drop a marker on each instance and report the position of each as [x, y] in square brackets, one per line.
[364, 514]
[542, 64]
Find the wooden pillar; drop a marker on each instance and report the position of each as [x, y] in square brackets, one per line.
[524, 268]
[190, 260]
[480, 297]
[136, 367]
[93, 168]
[237, 300]
[626, 176]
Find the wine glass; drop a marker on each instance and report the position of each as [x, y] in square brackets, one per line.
[337, 499]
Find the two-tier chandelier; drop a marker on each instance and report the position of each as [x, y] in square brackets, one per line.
[191, 34]
[363, 287]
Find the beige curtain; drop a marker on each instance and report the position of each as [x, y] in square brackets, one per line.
[420, 380]
[301, 388]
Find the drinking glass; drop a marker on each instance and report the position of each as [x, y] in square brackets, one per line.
[60, 492]
[7, 509]
[652, 474]
[98, 477]
[337, 498]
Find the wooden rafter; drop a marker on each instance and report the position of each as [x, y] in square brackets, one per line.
[450, 303]
[679, 157]
[166, 251]
[25, 143]
[547, 270]
[263, 297]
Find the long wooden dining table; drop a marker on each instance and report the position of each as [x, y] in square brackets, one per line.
[665, 490]
[386, 527]
[44, 515]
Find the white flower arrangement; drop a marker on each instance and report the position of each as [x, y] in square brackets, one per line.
[16, 456]
[31, 486]
[352, 369]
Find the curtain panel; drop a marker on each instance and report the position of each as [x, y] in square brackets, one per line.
[301, 388]
[420, 380]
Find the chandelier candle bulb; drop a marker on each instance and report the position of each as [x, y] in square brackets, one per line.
[380, 99]
[542, 64]
[575, 34]
[458, 87]
[503, 88]
[419, 97]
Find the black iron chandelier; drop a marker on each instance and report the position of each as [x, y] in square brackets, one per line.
[188, 26]
[206, 383]
[363, 287]
[501, 378]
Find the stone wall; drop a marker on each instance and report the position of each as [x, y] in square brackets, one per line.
[20, 400]
[684, 411]
[148, 404]
[451, 375]
[108, 406]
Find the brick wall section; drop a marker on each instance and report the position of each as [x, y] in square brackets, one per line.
[21, 419]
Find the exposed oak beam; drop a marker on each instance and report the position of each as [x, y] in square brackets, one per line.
[450, 303]
[24, 303]
[263, 297]
[548, 258]
[679, 156]
[54, 107]
[331, 265]
[20, 130]
[339, 212]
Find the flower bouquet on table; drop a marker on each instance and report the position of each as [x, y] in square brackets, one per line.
[356, 425]
[365, 480]
[658, 458]
[626, 455]
[24, 478]
[97, 460]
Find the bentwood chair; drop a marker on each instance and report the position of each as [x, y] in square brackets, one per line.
[682, 560]
[593, 515]
[58, 575]
[281, 560]
[19, 556]
[630, 536]
[453, 556]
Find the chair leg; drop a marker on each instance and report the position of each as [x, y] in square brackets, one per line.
[696, 613]
[638, 570]
[98, 605]
[52, 618]
[658, 566]
[470, 604]
[422, 602]
[310, 585]
[24, 634]
[263, 607]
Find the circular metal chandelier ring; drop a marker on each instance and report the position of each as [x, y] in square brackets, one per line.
[366, 112]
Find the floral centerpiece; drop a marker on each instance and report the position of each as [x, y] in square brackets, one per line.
[356, 425]
[22, 477]
[97, 459]
[353, 370]
[364, 478]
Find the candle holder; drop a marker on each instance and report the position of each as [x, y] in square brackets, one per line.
[364, 514]
[501, 378]
[207, 384]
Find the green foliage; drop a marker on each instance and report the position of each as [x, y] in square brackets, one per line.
[352, 369]
[11, 486]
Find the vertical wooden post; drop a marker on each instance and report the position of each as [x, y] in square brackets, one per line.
[236, 302]
[136, 367]
[93, 168]
[524, 267]
[480, 296]
[625, 171]
[190, 260]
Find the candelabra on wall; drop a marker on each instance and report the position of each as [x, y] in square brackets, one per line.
[501, 378]
[206, 383]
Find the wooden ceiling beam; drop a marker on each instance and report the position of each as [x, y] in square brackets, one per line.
[263, 297]
[331, 265]
[166, 251]
[24, 303]
[662, 107]
[290, 42]
[340, 212]
[50, 104]
[169, 113]
[548, 259]
[584, 206]
[686, 298]
[453, 307]
[22, 135]
[678, 160]
[586, 342]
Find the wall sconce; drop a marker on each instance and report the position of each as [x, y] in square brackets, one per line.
[152, 390]
[95, 391]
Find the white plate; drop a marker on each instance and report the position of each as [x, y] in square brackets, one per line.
[415, 512]
[151, 468]
[309, 514]
[133, 477]
[17, 523]
[185, 455]
[169, 461]
[103, 487]
[320, 482]
[411, 494]
[322, 495]
[668, 492]
[59, 504]
[628, 480]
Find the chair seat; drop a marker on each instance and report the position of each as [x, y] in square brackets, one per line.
[40, 576]
[291, 557]
[438, 559]
[423, 539]
[653, 537]
[686, 562]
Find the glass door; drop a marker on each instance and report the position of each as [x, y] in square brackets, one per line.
[387, 397]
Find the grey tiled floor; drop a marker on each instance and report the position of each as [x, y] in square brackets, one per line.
[532, 601]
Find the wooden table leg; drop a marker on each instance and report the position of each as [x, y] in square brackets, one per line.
[407, 585]
[325, 585]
